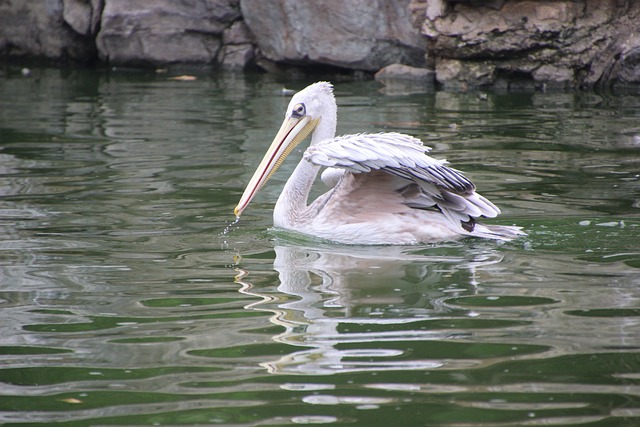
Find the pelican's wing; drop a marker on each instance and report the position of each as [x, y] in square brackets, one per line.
[405, 156]
[396, 153]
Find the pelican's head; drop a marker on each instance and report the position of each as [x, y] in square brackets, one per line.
[311, 108]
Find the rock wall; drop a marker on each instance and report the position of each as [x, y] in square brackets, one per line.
[466, 42]
[126, 32]
[140, 32]
[562, 42]
[353, 34]
[39, 29]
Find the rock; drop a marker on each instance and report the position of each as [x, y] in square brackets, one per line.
[401, 79]
[629, 67]
[37, 29]
[460, 74]
[619, 64]
[404, 72]
[238, 51]
[578, 42]
[83, 16]
[553, 74]
[237, 33]
[358, 34]
[435, 9]
[505, 43]
[164, 31]
[237, 57]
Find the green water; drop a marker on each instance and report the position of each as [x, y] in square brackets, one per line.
[129, 297]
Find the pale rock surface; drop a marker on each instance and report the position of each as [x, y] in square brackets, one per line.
[164, 31]
[404, 72]
[401, 80]
[354, 34]
[83, 15]
[571, 42]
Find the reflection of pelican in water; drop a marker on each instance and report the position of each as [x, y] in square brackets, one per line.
[334, 301]
[385, 189]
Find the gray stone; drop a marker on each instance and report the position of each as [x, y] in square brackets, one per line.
[164, 31]
[553, 74]
[578, 42]
[619, 63]
[435, 9]
[83, 15]
[404, 72]
[237, 33]
[37, 29]
[629, 67]
[509, 43]
[462, 74]
[400, 80]
[356, 34]
[238, 51]
[237, 56]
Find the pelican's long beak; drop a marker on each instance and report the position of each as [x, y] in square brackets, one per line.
[292, 132]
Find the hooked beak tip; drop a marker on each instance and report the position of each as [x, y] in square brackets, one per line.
[237, 211]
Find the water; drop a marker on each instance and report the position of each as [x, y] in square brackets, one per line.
[128, 295]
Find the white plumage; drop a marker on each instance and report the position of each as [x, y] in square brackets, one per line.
[385, 188]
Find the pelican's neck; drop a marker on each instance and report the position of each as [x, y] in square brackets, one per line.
[327, 126]
[291, 208]
[292, 203]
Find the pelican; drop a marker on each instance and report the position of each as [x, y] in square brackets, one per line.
[384, 188]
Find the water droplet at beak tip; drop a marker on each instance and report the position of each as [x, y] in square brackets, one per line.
[237, 212]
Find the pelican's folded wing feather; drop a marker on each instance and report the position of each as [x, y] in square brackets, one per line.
[395, 153]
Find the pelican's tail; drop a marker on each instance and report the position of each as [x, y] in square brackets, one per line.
[497, 232]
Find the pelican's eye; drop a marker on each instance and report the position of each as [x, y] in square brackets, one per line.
[299, 110]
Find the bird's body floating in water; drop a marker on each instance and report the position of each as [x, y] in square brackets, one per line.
[384, 188]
